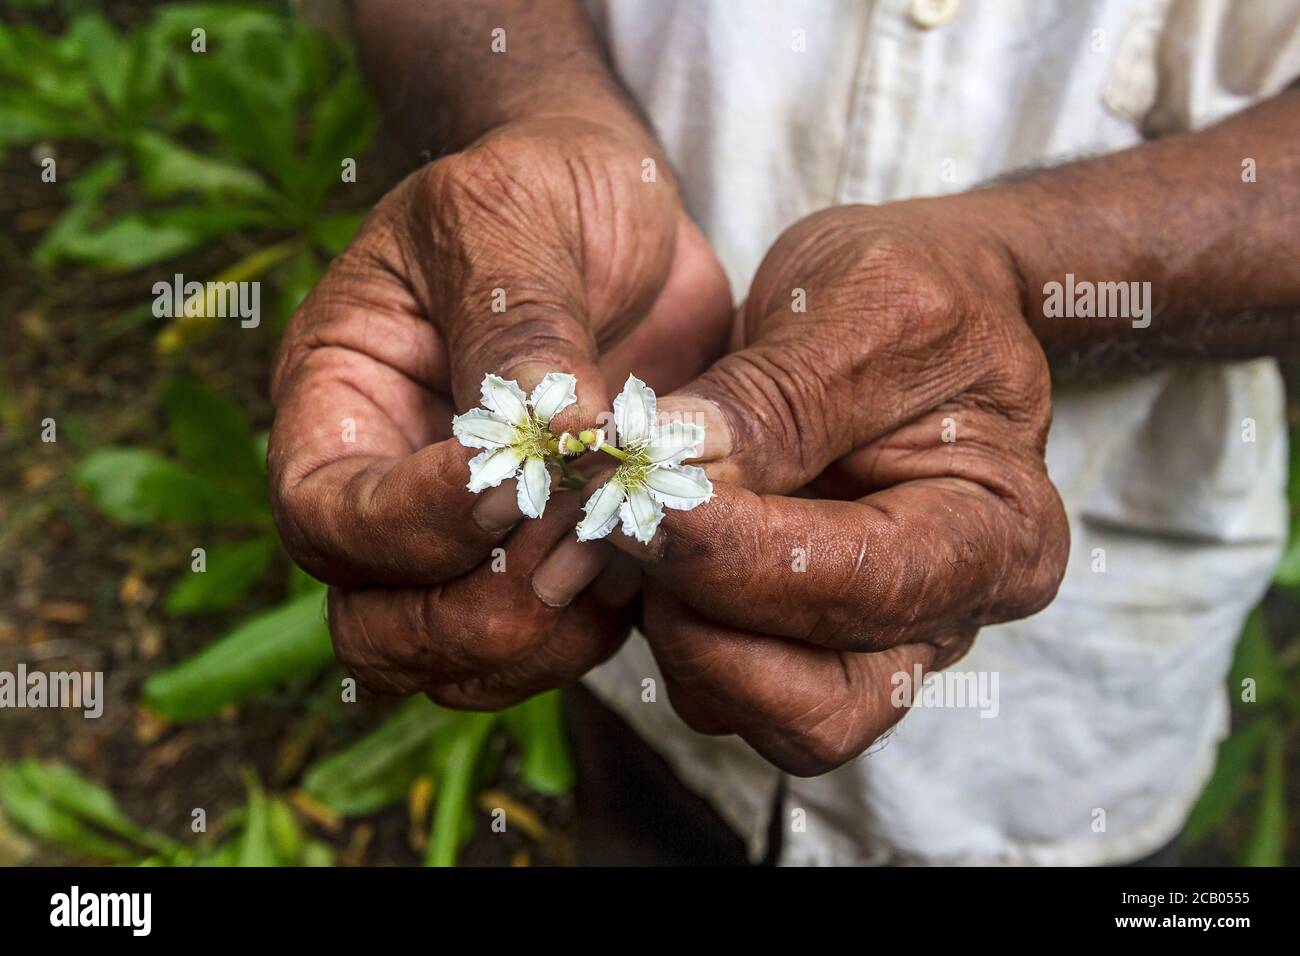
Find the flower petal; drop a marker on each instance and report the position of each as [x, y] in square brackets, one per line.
[479, 428]
[505, 398]
[634, 411]
[489, 468]
[641, 515]
[556, 392]
[675, 442]
[534, 487]
[682, 487]
[602, 512]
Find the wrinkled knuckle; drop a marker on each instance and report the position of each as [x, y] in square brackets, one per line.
[1055, 553]
[365, 658]
[499, 639]
[828, 746]
[778, 402]
[295, 514]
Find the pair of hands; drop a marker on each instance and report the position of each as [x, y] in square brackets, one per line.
[877, 455]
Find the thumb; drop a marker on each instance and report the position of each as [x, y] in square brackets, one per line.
[523, 344]
[772, 423]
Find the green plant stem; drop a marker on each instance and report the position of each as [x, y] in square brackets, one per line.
[453, 788]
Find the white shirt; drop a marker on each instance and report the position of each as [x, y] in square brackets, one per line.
[1110, 702]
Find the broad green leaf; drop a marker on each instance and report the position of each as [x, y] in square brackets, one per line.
[290, 640]
[141, 487]
[149, 63]
[87, 192]
[24, 120]
[231, 571]
[317, 853]
[378, 769]
[212, 434]
[107, 57]
[29, 809]
[169, 169]
[87, 800]
[537, 725]
[1266, 845]
[342, 125]
[47, 70]
[300, 582]
[454, 800]
[287, 839]
[1256, 659]
[1226, 786]
[256, 844]
[241, 110]
[333, 232]
[298, 279]
[227, 854]
[143, 238]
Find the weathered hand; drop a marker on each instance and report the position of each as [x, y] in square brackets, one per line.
[912, 391]
[598, 271]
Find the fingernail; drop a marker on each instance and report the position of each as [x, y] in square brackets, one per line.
[568, 569]
[528, 374]
[497, 509]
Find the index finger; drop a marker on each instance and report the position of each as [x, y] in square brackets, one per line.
[367, 486]
[923, 561]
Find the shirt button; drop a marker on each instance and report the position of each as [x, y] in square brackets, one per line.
[933, 13]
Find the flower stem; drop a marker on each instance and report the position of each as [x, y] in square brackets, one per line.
[571, 476]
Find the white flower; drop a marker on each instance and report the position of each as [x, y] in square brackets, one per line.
[652, 476]
[513, 430]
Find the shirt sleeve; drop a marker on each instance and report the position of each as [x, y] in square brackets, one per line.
[1213, 58]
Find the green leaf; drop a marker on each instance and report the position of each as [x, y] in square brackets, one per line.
[256, 844]
[87, 192]
[227, 854]
[1287, 574]
[537, 725]
[290, 640]
[28, 808]
[169, 169]
[24, 120]
[1226, 786]
[454, 801]
[59, 805]
[143, 238]
[296, 281]
[287, 839]
[1256, 659]
[333, 233]
[141, 487]
[317, 853]
[237, 105]
[1266, 845]
[211, 433]
[68, 790]
[342, 125]
[106, 56]
[378, 769]
[231, 571]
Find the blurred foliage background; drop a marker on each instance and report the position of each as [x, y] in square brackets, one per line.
[219, 155]
[214, 141]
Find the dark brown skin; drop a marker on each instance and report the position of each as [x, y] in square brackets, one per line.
[826, 427]
[602, 273]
